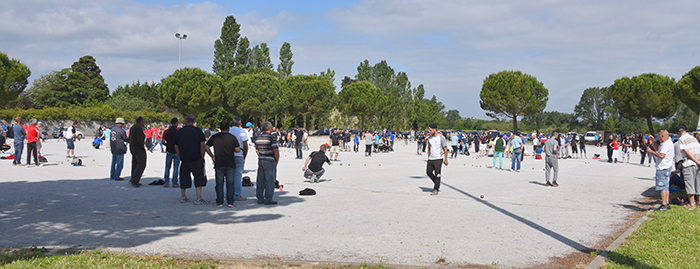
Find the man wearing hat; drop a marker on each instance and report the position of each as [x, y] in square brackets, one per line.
[117, 144]
[690, 155]
[437, 155]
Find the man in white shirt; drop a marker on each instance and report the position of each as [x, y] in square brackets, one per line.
[664, 166]
[437, 155]
[239, 157]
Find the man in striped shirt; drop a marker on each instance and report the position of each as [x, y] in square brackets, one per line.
[268, 157]
[690, 155]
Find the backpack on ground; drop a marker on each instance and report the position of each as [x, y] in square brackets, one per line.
[246, 182]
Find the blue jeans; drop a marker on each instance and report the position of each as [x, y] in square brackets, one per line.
[237, 176]
[157, 143]
[224, 174]
[170, 159]
[267, 174]
[115, 169]
[19, 148]
[517, 153]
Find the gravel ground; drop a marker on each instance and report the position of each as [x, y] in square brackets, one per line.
[374, 209]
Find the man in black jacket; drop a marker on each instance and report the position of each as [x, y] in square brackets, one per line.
[137, 140]
[117, 144]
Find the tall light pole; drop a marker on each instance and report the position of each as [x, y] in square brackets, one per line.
[179, 60]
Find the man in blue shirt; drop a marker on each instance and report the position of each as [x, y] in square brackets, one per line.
[19, 135]
[391, 138]
[455, 144]
[517, 144]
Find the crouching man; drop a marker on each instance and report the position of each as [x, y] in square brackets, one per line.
[315, 170]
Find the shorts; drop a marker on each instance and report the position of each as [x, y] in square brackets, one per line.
[335, 149]
[662, 179]
[195, 168]
[69, 143]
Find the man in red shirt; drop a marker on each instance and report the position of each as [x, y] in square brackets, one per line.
[32, 136]
[158, 137]
[148, 131]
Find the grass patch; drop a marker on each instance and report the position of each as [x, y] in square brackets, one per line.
[669, 239]
[36, 258]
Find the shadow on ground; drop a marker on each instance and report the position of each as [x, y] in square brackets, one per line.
[105, 213]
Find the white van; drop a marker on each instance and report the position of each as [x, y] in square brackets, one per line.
[590, 136]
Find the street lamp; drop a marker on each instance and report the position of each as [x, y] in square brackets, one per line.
[181, 37]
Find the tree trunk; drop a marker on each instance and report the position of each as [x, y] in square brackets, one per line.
[275, 120]
[363, 123]
[651, 126]
[305, 122]
[515, 124]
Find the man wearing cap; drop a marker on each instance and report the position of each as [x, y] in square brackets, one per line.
[117, 145]
[437, 155]
[32, 137]
[664, 166]
[690, 155]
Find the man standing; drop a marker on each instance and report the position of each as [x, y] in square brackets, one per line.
[268, 157]
[690, 153]
[117, 144]
[315, 170]
[70, 137]
[297, 141]
[32, 138]
[137, 139]
[517, 144]
[664, 166]
[551, 147]
[437, 155]
[454, 139]
[498, 145]
[171, 158]
[225, 145]
[369, 139]
[335, 143]
[189, 145]
[305, 141]
[610, 148]
[19, 135]
[239, 157]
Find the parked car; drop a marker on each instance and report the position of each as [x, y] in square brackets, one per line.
[590, 136]
[321, 132]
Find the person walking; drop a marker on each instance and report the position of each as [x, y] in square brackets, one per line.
[664, 167]
[137, 146]
[19, 135]
[32, 137]
[314, 170]
[268, 157]
[190, 147]
[455, 144]
[419, 141]
[225, 146]
[551, 147]
[239, 157]
[117, 145]
[158, 135]
[171, 158]
[437, 155]
[517, 144]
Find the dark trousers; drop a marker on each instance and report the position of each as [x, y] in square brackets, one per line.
[610, 152]
[368, 150]
[138, 165]
[267, 175]
[433, 170]
[454, 152]
[32, 151]
[297, 146]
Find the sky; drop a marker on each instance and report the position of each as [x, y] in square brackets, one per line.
[449, 46]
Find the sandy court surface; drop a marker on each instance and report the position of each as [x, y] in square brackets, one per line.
[374, 209]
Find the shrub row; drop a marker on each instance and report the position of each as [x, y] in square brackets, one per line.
[98, 113]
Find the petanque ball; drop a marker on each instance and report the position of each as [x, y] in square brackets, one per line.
[482, 196]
